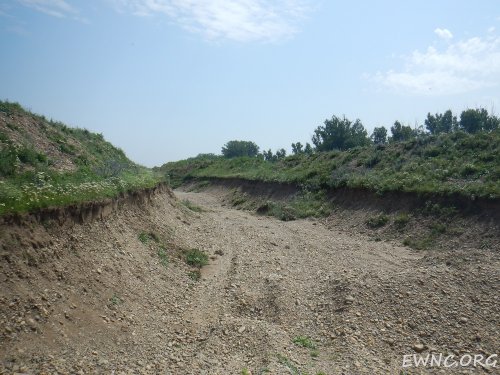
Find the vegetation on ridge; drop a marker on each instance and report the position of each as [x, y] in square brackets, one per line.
[460, 163]
[451, 158]
[46, 163]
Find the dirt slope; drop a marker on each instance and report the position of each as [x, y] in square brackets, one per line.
[95, 299]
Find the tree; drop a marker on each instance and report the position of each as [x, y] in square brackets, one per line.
[440, 123]
[233, 149]
[401, 132]
[281, 154]
[308, 150]
[297, 148]
[268, 155]
[340, 134]
[379, 135]
[493, 123]
[476, 120]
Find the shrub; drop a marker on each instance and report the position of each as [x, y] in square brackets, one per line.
[196, 258]
[192, 206]
[233, 149]
[162, 254]
[304, 341]
[377, 221]
[145, 237]
[401, 220]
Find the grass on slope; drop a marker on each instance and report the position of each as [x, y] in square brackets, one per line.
[456, 163]
[45, 163]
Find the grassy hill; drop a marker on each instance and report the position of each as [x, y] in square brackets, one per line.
[46, 163]
[458, 163]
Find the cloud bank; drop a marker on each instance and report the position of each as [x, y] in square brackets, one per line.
[55, 8]
[460, 67]
[238, 20]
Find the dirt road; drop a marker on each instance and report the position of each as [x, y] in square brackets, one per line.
[279, 281]
[297, 296]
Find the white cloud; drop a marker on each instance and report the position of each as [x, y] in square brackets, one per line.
[55, 8]
[443, 33]
[239, 20]
[463, 66]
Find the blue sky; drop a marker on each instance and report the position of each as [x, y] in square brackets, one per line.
[168, 79]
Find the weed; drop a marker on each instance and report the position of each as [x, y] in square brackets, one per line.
[146, 237]
[304, 341]
[282, 212]
[238, 198]
[421, 243]
[485, 245]
[401, 220]
[289, 364]
[115, 300]
[437, 209]
[437, 228]
[194, 275]
[314, 353]
[4, 138]
[377, 221]
[196, 258]
[245, 372]
[192, 206]
[162, 254]
[12, 126]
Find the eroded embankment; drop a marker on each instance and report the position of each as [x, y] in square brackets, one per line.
[29, 227]
[83, 285]
[353, 198]
[421, 221]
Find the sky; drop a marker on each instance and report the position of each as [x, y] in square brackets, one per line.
[168, 79]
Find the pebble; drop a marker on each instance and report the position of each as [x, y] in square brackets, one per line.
[419, 348]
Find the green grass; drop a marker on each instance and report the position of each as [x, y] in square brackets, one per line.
[449, 164]
[401, 220]
[377, 221]
[420, 242]
[162, 255]
[155, 243]
[196, 258]
[192, 206]
[115, 300]
[146, 237]
[34, 190]
[29, 179]
[194, 275]
[306, 204]
[304, 342]
[292, 368]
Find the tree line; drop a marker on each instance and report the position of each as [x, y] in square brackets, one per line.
[340, 133]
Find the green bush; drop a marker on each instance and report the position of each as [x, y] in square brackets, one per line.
[304, 342]
[196, 258]
[377, 221]
[401, 220]
[162, 254]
